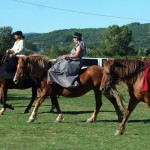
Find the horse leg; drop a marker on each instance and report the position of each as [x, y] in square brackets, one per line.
[56, 105]
[112, 99]
[52, 109]
[40, 100]
[147, 98]
[3, 98]
[131, 107]
[98, 100]
[34, 96]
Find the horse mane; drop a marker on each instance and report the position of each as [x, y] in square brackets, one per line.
[39, 64]
[128, 69]
[41, 60]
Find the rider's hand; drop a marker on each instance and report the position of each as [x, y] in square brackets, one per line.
[66, 56]
[7, 51]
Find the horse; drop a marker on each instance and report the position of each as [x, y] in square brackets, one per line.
[90, 79]
[7, 72]
[130, 72]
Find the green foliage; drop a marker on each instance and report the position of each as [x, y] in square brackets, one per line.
[31, 46]
[116, 41]
[140, 35]
[131, 39]
[6, 40]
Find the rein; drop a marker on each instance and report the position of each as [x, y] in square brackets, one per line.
[4, 58]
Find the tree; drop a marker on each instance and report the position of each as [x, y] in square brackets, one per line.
[117, 41]
[6, 40]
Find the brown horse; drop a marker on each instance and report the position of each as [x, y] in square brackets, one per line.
[8, 83]
[90, 79]
[130, 72]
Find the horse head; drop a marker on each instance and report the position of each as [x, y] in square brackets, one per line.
[109, 77]
[23, 69]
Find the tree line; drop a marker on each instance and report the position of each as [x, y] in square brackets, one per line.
[115, 41]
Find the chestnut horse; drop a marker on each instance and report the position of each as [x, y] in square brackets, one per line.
[130, 72]
[7, 72]
[90, 79]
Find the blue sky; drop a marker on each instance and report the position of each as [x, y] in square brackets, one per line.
[44, 16]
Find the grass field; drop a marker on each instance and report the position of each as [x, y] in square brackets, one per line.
[74, 133]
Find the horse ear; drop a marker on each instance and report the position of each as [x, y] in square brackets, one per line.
[111, 61]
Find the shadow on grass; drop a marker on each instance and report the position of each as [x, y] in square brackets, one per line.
[75, 112]
[130, 121]
[17, 106]
[137, 121]
[12, 98]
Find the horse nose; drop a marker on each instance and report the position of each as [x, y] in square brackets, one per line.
[15, 81]
[101, 89]
[106, 89]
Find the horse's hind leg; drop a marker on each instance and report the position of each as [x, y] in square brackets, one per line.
[56, 105]
[98, 100]
[113, 100]
[34, 96]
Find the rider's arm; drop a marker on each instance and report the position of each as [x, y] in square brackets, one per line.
[76, 55]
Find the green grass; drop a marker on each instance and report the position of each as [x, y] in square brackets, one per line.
[74, 133]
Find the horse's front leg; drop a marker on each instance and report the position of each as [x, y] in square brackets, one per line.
[131, 107]
[34, 96]
[98, 100]
[113, 100]
[52, 109]
[37, 105]
[3, 97]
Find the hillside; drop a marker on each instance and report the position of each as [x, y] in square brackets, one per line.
[92, 36]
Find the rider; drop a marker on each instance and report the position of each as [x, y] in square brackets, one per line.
[18, 47]
[66, 69]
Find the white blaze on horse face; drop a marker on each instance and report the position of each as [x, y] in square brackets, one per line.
[105, 78]
[107, 74]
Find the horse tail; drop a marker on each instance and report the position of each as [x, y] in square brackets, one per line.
[118, 97]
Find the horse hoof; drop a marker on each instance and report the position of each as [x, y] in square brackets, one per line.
[12, 108]
[51, 111]
[59, 118]
[26, 111]
[58, 121]
[90, 120]
[119, 132]
[31, 120]
[1, 113]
